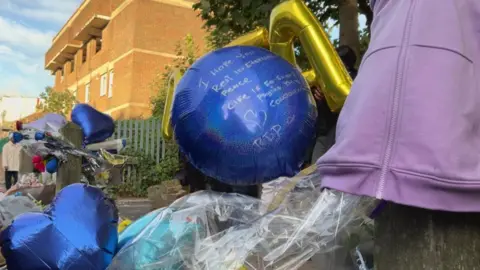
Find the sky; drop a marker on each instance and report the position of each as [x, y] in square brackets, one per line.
[26, 31]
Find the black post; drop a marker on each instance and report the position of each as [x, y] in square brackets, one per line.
[408, 238]
[71, 171]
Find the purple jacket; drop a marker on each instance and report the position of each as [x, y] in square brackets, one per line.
[410, 130]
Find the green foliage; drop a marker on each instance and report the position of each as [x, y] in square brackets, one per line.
[60, 102]
[148, 173]
[187, 53]
[364, 41]
[229, 19]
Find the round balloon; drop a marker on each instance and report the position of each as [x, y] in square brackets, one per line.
[52, 165]
[244, 116]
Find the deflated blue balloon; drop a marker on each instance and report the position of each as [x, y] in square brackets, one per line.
[244, 116]
[77, 231]
[96, 126]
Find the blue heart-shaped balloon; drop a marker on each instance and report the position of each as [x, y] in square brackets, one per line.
[96, 126]
[78, 231]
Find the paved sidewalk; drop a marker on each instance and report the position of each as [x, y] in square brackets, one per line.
[133, 208]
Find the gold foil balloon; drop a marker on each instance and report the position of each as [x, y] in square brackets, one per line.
[292, 19]
[310, 76]
[289, 20]
[258, 38]
[173, 80]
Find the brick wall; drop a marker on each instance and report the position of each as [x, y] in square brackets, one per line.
[136, 44]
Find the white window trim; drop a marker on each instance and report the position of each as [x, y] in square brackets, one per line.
[110, 83]
[87, 93]
[103, 85]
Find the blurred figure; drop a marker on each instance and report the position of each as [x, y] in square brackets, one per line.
[189, 176]
[11, 162]
[194, 180]
[327, 120]
[252, 191]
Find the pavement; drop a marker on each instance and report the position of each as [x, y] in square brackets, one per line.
[133, 208]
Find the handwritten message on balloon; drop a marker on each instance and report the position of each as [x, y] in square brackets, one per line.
[244, 115]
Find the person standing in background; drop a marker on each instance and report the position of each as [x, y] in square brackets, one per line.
[189, 176]
[11, 162]
[327, 120]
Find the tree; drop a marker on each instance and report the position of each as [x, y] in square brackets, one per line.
[60, 102]
[228, 19]
[187, 53]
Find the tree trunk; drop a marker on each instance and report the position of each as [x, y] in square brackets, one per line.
[348, 20]
[71, 171]
[408, 238]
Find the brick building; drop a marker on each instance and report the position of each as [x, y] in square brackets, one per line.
[109, 51]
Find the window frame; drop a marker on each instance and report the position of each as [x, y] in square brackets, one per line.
[103, 84]
[111, 75]
[87, 93]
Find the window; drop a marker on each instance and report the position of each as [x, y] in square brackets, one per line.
[62, 75]
[72, 66]
[98, 45]
[103, 85]
[87, 92]
[110, 84]
[84, 54]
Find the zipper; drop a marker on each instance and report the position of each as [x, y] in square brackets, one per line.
[402, 59]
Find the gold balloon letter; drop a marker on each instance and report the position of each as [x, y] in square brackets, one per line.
[292, 19]
[167, 130]
[258, 38]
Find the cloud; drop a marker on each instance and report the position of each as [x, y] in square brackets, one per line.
[26, 31]
[24, 64]
[21, 36]
[41, 10]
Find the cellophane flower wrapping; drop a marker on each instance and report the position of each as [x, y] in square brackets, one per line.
[293, 221]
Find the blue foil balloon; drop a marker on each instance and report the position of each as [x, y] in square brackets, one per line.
[77, 231]
[39, 136]
[244, 116]
[52, 165]
[96, 126]
[17, 137]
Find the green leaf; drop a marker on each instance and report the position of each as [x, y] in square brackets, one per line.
[246, 3]
[205, 4]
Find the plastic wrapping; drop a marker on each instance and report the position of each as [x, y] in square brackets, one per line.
[208, 230]
[12, 206]
[58, 148]
[51, 122]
